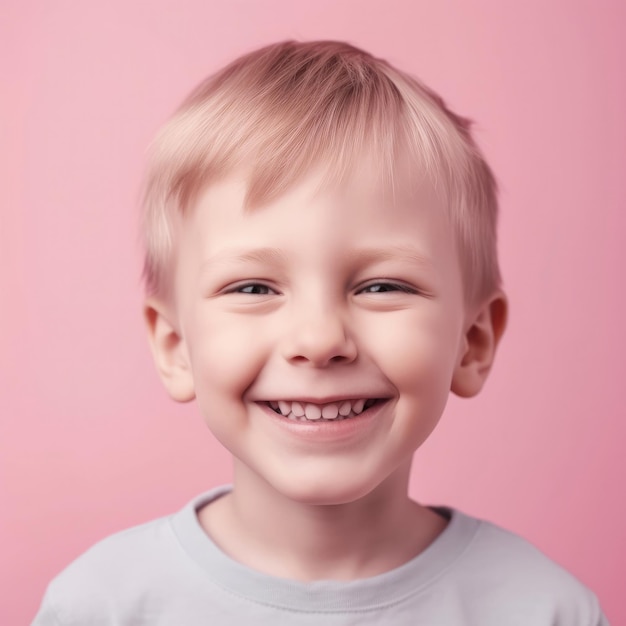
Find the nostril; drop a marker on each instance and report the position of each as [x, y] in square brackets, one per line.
[340, 358]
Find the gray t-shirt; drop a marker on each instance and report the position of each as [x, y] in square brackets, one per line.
[169, 573]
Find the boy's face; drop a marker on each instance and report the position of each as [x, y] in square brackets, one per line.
[322, 299]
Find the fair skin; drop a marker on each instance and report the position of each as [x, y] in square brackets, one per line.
[323, 300]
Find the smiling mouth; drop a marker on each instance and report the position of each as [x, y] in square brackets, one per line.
[333, 411]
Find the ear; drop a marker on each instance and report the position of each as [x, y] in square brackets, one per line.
[169, 350]
[484, 330]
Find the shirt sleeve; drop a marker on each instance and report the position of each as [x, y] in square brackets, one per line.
[46, 615]
[602, 620]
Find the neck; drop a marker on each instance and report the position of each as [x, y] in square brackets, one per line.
[269, 532]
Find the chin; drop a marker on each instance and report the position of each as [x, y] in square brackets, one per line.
[319, 491]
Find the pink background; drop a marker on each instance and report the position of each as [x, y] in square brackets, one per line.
[89, 442]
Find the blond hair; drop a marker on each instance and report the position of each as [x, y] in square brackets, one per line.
[287, 107]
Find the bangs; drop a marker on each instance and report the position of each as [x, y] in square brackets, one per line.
[277, 117]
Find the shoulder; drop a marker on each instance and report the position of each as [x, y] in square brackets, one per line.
[137, 547]
[506, 552]
[515, 573]
[108, 573]
[128, 573]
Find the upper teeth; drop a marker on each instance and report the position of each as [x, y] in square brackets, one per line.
[331, 411]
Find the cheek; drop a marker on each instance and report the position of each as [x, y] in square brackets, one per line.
[225, 358]
[417, 351]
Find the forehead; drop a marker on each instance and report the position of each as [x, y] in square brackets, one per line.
[366, 178]
[360, 211]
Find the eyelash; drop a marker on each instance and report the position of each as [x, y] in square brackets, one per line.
[241, 289]
[388, 287]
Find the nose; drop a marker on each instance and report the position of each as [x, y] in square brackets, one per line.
[318, 337]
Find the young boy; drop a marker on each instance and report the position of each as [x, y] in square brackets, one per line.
[321, 272]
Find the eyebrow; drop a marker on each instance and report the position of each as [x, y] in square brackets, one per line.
[272, 256]
[391, 253]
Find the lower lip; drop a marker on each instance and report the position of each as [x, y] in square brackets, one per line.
[327, 430]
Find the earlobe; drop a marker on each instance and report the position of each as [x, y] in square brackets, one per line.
[169, 351]
[479, 349]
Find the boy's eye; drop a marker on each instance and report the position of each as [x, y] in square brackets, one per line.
[386, 287]
[255, 289]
